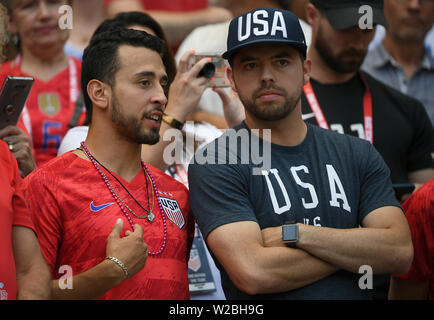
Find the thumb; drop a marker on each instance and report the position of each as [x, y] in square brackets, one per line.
[117, 229]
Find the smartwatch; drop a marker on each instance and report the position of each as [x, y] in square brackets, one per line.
[290, 234]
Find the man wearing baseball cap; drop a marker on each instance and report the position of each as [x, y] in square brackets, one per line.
[291, 230]
[342, 98]
[343, 14]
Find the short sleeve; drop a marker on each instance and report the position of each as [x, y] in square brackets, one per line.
[219, 195]
[40, 192]
[376, 186]
[21, 214]
[419, 210]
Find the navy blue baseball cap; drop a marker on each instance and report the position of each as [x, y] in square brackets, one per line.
[265, 25]
[343, 14]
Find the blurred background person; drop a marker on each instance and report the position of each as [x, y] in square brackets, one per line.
[87, 15]
[211, 106]
[344, 99]
[177, 17]
[23, 271]
[53, 105]
[381, 32]
[418, 282]
[401, 60]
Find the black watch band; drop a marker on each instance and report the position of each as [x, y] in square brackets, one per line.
[171, 121]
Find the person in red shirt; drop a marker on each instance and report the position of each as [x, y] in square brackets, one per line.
[418, 282]
[124, 227]
[53, 105]
[23, 272]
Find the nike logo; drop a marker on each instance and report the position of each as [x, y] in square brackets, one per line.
[99, 208]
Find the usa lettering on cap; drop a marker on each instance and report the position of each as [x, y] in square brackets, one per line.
[264, 25]
[260, 26]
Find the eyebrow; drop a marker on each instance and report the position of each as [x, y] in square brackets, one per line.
[148, 74]
[144, 74]
[282, 54]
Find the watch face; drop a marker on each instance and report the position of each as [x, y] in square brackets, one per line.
[290, 233]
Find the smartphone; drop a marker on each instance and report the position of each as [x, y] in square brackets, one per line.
[219, 79]
[13, 96]
[403, 188]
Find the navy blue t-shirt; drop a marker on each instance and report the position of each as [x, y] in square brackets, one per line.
[330, 180]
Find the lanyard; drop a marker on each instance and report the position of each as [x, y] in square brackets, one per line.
[367, 109]
[178, 169]
[182, 174]
[74, 91]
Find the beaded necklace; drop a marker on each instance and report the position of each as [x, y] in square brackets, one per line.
[120, 202]
[150, 216]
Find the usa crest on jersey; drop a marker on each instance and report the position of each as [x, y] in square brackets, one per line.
[173, 211]
[49, 104]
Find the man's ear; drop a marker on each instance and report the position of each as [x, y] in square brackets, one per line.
[312, 14]
[99, 93]
[230, 76]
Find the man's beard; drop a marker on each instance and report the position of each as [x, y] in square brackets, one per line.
[271, 111]
[131, 128]
[338, 63]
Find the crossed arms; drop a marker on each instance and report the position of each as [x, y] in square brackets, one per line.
[260, 263]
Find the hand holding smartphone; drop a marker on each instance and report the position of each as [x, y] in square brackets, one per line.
[13, 96]
[218, 78]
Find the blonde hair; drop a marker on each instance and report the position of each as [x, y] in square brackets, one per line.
[3, 30]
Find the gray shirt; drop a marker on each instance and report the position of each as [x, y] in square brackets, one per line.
[382, 66]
